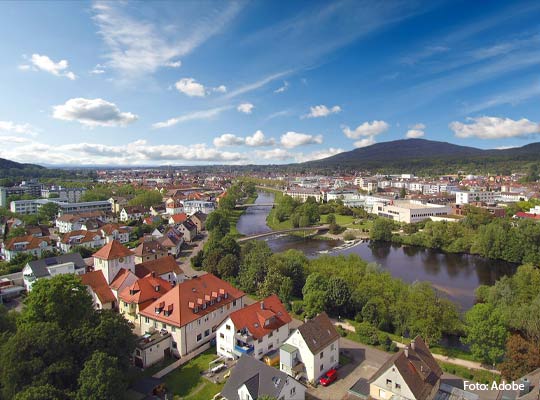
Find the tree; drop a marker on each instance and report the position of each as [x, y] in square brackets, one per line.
[228, 266]
[402, 193]
[85, 252]
[43, 392]
[147, 198]
[48, 211]
[101, 379]
[254, 265]
[217, 223]
[522, 356]
[382, 230]
[485, 332]
[16, 232]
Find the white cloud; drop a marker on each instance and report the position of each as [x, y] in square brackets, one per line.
[274, 154]
[93, 112]
[416, 131]
[295, 139]
[228, 139]
[258, 140]
[282, 88]
[195, 115]
[372, 128]
[494, 128]
[190, 87]
[12, 127]
[139, 152]
[137, 47]
[322, 111]
[246, 108]
[98, 69]
[220, 89]
[256, 85]
[414, 134]
[365, 142]
[44, 63]
[14, 139]
[317, 155]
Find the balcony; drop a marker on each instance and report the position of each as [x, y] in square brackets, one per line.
[243, 337]
[242, 349]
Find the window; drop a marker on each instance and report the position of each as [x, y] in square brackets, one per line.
[221, 335]
[234, 303]
[293, 390]
[199, 337]
[333, 347]
[270, 347]
[173, 328]
[389, 382]
[321, 367]
[146, 320]
[228, 327]
[155, 324]
[398, 386]
[174, 345]
[164, 326]
[271, 334]
[321, 355]
[332, 359]
[207, 333]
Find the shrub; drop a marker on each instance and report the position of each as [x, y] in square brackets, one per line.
[349, 236]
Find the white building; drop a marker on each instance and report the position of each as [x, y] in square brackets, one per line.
[410, 211]
[72, 195]
[302, 194]
[254, 330]
[26, 245]
[192, 311]
[192, 206]
[311, 350]
[46, 268]
[475, 196]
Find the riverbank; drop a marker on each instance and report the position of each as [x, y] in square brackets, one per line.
[233, 216]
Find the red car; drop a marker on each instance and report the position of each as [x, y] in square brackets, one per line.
[328, 378]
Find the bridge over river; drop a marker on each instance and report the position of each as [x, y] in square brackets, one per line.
[318, 229]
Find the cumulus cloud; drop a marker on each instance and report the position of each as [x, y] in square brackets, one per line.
[322, 111]
[98, 69]
[173, 64]
[283, 88]
[93, 112]
[245, 108]
[258, 140]
[228, 139]
[372, 128]
[494, 128]
[44, 63]
[295, 139]
[317, 155]
[12, 127]
[190, 87]
[139, 152]
[415, 131]
[220, 89]
[365, 142]
[192, 116]
[274, 154]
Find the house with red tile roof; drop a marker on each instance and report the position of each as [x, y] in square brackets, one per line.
[139, 295]
[115, 232]
[166, 268]
[88, 239]
[112, 258]
[124, 278]
[192, 311]
[26, 245]
[149, 249]
[100, 291]
[254, 330]
[177, 218]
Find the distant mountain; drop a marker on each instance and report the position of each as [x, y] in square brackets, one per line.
[418, 155]
[8, 164]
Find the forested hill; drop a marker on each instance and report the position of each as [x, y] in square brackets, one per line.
[8, 164]
[420, 155]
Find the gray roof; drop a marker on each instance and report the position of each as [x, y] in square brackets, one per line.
[259, 378]
[318, 333]
[39, 267]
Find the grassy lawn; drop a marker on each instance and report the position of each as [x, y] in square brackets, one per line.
[187, 382]
[136, 374]
[475, 375]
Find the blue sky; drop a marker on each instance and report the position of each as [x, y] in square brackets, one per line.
[202, 82]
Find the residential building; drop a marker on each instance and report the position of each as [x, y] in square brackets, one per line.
[112, 258]
[254, 330]
[33, 206]
[175, 219]
[143, 292]
[117, 203]
[410, 211]
[88, 239]
[132, 213]
[199, 219]
[192, 206]
[70, 195]
[412, 373]
[311, 350]
[251, 379]
[188, 229]
[149, 249]
[466, 197]
[45, 268]
[152, 348]
[174, 206]
[123, 279]
[102, 295]
[172, 240]
[302, 194]
[165, 268]
[26, 245]
[115, 232]
[191, 311]
[25, 188]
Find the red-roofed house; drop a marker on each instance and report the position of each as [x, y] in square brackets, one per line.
[192, 311]
[136, 297]
[525, 215]
[177, 218]
[165, 268]
[254, 330]
[101, 293]
[88, 239]
[123, 279]
[26, 245]
[111, 258]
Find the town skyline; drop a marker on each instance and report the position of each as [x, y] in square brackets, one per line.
[120, 84]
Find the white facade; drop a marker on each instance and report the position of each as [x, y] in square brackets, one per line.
[410, 211]
[315, 364]
[473, 196]
[303, 194]
[192, 206]
[227, 336]
[110, 268]
[389, 384]
[66, 268]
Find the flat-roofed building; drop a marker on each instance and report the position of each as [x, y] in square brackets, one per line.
[410, 211]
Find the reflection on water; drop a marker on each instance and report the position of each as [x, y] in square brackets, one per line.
[456, 275]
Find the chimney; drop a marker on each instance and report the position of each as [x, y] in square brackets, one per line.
[406, 351]
[413, 345]
[262, 305]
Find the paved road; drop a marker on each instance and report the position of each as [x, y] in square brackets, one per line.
[185, 263]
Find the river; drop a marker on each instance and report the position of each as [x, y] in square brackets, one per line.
[455, 275]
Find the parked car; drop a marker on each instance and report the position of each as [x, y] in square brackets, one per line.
[329, 377]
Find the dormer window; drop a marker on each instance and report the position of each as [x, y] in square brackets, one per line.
[226, 296]
[157, 288]
[196, 309]
[219, 299]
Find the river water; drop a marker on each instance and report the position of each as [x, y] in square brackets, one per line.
[455, 275]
